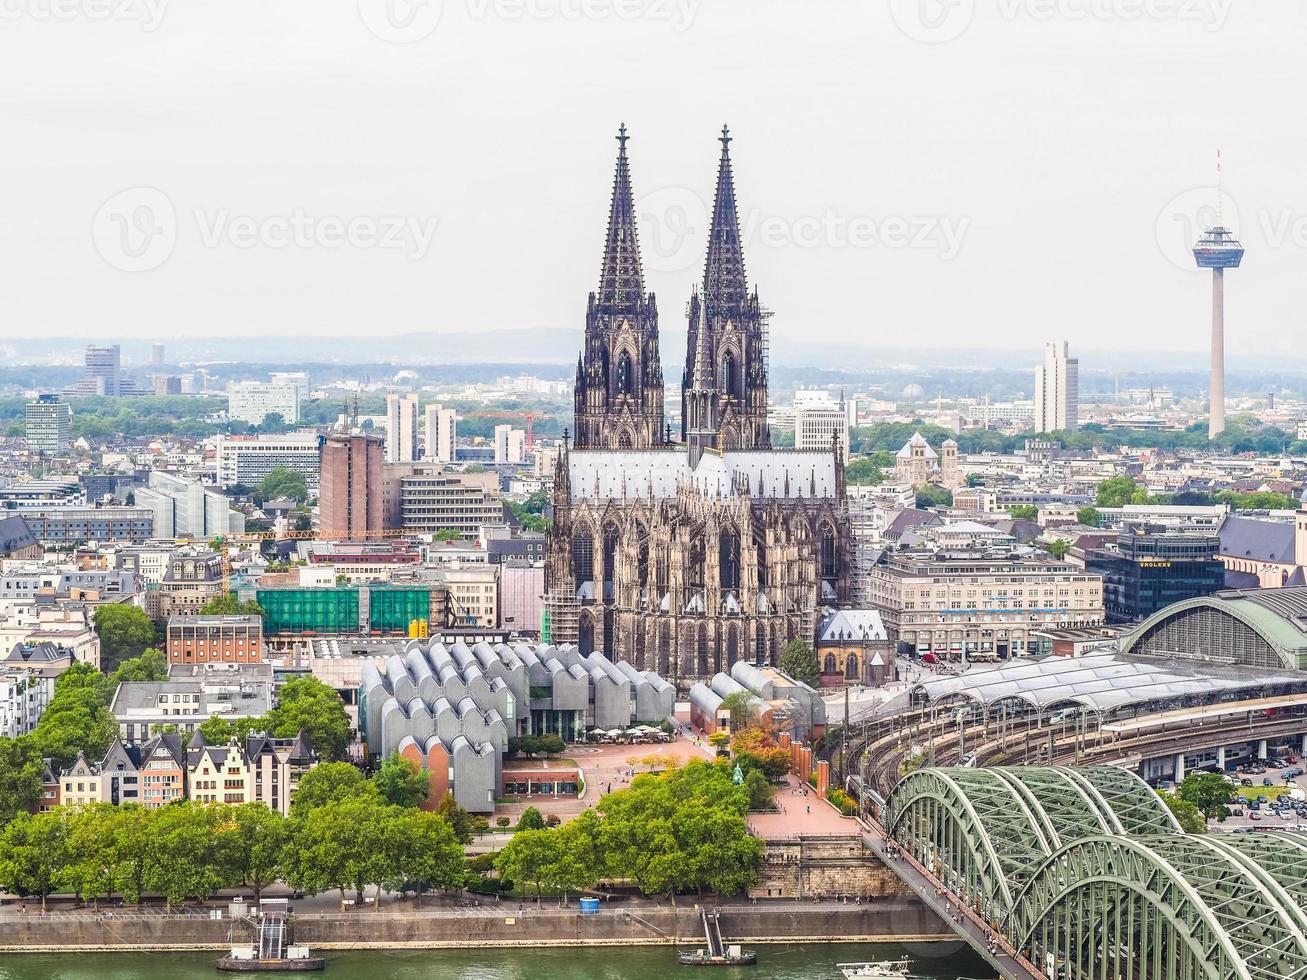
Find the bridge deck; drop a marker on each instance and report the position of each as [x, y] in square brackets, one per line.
[931, 891]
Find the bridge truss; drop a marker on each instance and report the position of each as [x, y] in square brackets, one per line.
[1088, 874]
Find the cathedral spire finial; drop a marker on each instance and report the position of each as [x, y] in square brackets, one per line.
[726, 291]
[621, 282]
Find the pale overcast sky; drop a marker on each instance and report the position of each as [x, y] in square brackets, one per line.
[987, 173]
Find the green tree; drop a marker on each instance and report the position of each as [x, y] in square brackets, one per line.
[93, 870]
[401, 782]
[743, 707]
[76, 719]
[34, 854]
[932, 496]
[869, 470]
[462, 822]
[184, 859]
[530, 820]
[310, 706]
[550, 744]
[800, 662]
[251, 841]
[760, 790]
[228, 605]
[125, 631]
[273, 422]
[282, 481]
[336, 846]
[1059, 547]
[1089, 516]
[1024, 512]
[151, 665]
[1190, 817]
[975, 480]
[331, 782]
[528, 856]
[1116, 491]
[20, 777]
[1208, 791]
[424, 848]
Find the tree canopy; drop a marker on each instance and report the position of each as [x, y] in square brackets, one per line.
[800, 662]
[282, 481]
[401, 782]
[228, 605]
[125, 631]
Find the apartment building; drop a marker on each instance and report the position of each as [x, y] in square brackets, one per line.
[187, 508]
[192, 694]
[401, 428]
[980, 606]
[246, 460]
[215, 639]
[24, 696]
[253, 401]
[258, 769]
[426, 497]
[49, 422]
[473, 594]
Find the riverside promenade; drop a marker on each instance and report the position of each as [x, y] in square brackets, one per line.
[894, 919]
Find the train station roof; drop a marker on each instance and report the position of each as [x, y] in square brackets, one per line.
[1108, 681]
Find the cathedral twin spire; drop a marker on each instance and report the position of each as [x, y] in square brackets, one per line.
[724, 287]
[619, 377]
[621, 283]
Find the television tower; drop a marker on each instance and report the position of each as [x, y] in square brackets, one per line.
[1217, 250]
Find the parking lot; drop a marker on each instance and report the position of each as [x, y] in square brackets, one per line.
[1282, 785]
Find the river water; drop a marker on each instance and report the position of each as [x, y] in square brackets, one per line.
[775, 962]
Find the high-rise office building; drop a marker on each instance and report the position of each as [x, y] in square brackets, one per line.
[442, 433]
[102, 374]
[818, 421]
[254, 401]
[401, 428]
[510, 444]
[49, 422]
[156, 356]
[187, 508]
[350, 497]
[1057, 389]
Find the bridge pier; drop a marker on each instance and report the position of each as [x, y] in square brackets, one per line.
[1261, 749]
[1179, 767]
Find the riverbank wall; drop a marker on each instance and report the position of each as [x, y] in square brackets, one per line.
[897, 919]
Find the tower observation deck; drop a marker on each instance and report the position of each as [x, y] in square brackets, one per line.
[1217, 250]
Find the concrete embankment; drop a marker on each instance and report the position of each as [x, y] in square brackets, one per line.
[884, 920]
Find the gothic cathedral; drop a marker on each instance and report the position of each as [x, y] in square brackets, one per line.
[685, 556]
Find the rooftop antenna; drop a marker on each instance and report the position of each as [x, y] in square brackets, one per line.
[1219, 192]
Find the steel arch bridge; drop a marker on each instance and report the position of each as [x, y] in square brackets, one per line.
[1088, 874]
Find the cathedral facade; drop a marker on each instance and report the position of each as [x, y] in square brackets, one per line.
[684, 556]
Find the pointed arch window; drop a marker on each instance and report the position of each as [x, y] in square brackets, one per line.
[729, 559]
[731, 375]
[624, 383]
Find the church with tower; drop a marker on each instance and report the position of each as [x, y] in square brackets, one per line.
[684, 555]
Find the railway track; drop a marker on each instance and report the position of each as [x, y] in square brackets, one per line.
[1023, 741]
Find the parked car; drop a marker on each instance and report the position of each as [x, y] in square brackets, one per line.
[1254, 816]
[1268, 781]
